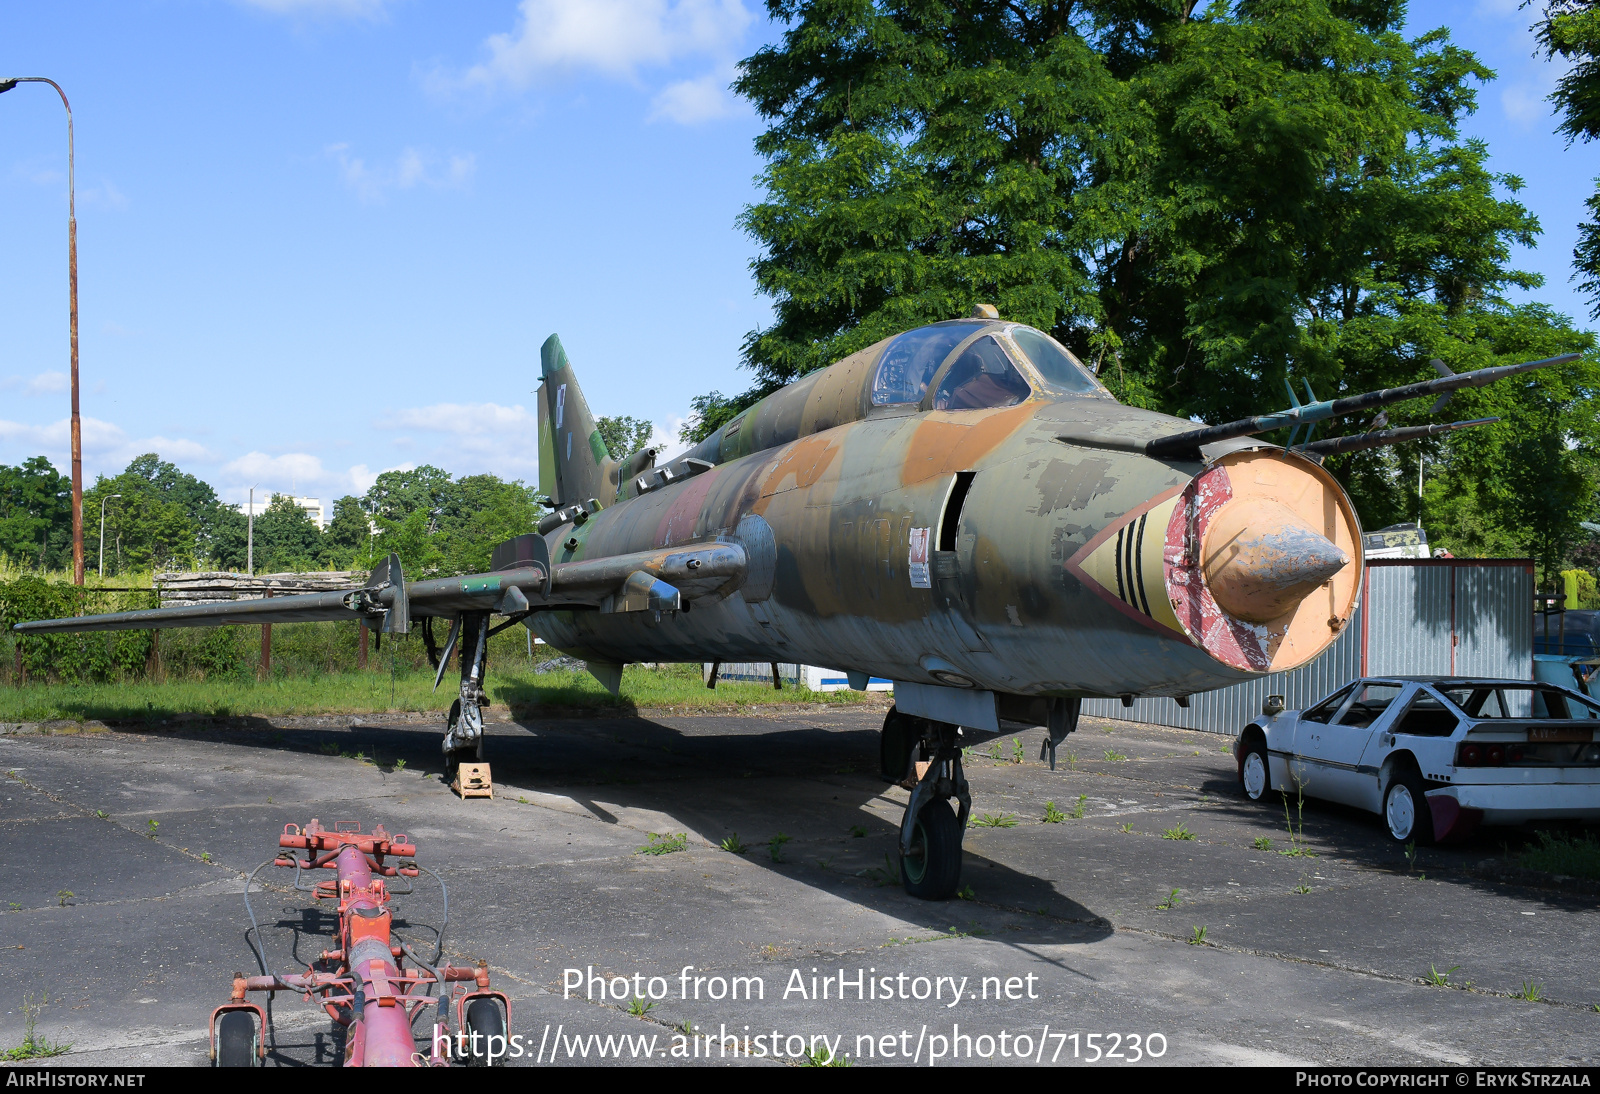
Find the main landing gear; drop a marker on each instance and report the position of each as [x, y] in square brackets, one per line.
[924, 756]
[463, 738]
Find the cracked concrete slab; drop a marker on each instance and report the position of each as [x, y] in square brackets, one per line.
[1316, 957]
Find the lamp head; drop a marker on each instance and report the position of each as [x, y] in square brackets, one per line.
[7, 85]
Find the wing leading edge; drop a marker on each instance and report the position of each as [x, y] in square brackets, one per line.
[522, 583]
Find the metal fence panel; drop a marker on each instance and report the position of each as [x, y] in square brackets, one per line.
[1408, 625]
[1492, 641]
[1410, 615]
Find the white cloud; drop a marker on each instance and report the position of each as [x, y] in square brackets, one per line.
[412, 168]
[46, 383]
[104, 443]
[503, 440]
[337, 9]
[362, 477]
[698, 100]
[611, 36]
[103, 196]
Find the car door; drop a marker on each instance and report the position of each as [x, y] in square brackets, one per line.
[1309, 723]
[1331, 752]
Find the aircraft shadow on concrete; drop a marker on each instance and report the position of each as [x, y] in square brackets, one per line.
[714, 783]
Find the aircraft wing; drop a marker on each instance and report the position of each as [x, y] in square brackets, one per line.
[660, 580]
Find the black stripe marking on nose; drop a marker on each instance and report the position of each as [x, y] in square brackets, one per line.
[1138, 572]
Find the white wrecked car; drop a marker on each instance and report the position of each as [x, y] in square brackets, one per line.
[1434, 756]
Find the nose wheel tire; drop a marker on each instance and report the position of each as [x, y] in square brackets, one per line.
[1255, 777]
[236, 1040]
[1405, 808]
[932, 868]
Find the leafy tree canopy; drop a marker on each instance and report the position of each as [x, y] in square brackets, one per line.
[624, 436]
[1201, 201]
[36, 515]
[1570, 29]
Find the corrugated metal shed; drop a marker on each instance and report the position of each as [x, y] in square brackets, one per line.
[1468, 617]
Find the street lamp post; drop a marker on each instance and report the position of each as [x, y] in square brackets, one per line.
[250, 534]
[72, 288]
[103, 501]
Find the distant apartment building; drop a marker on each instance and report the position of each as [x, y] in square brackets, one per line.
[312, 506]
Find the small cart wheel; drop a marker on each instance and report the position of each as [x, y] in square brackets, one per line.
[236, 1040]
[484, 1023]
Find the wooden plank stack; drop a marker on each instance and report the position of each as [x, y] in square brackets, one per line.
[177, 589]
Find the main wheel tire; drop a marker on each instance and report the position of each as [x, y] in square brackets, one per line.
[485, 1019]
[900, 735]
[932, 869]
[1255, 775]
[1405, 808]
[236, 1040]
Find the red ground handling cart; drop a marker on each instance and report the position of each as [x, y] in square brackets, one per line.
[365, 984]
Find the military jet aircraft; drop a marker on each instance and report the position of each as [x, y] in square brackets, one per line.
[962, 508]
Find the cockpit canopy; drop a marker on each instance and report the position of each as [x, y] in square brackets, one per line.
[972, 364]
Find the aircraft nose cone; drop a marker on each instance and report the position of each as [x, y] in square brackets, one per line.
[1261, 559]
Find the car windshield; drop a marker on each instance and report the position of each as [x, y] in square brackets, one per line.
[1326, 709]
[908, 364]
[1490, 701]
[1058, 368]
[982, 376]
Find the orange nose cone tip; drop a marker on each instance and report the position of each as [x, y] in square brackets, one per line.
[1264, 573]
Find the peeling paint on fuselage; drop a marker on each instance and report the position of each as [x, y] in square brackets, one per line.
[842, 503]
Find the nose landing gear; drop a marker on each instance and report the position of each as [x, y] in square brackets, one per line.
[931, 832]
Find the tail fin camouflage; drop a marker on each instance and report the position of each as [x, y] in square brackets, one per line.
[574, 466]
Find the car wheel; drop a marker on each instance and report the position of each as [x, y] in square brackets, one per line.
[1405, 808]
[1255, 778]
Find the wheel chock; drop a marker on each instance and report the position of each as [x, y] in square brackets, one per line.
[473, 781]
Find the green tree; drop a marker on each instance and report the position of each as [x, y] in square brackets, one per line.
[1201, 201]
[286, 538]
[348, 534]
[36, 515]
[1570, 29]
[624, 436]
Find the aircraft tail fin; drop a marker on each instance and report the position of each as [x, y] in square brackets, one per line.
[574, 465]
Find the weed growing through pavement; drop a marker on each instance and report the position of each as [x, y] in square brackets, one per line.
[1172, 901]
[1296, 834]
[154, 824]
[1302, 889]
[994, 751]
[329, 749]
[102, 814]
[1178, 831]
[887, 874]
[775, 846]
[966, 893]
[1113, 754]
[993, 820]
[1558, 854]
[822, 1056]
[857, 831]
[400, 765]
[64, 895]
[13, 906]
[1016, 750]
[1198, 938]
[1128, 828]
[1262, 843]
[205, 856]
[824, 864]
[734, 844]
[1411, 856]
[664, 844]
[640, 1006]
[1531, 992]
[1077, 810]
[1072, 761]
[1052, 815]
[1442, 979]
[33, 1046]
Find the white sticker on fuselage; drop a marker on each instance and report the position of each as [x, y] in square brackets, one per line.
[919, 559]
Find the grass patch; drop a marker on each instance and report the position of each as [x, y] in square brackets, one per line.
[993, 820]
[1557, 854]
[1262, 843]
[664, 844]
[33, 1046]
[1177, 832]
[677, 686]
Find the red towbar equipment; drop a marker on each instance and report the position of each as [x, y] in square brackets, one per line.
[364, 984]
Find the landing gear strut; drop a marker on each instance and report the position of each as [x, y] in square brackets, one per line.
[463, 738]
[931, 831]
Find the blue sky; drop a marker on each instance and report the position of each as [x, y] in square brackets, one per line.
[321, 238]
